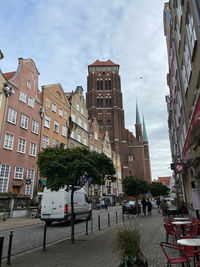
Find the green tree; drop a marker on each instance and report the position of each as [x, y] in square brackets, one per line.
[134, 186]
[158, 189]
[71, 168]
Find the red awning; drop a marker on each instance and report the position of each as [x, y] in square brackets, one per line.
[195, 119]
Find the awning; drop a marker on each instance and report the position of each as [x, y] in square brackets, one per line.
[193, 133]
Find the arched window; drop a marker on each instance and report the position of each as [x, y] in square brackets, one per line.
[100, 122]
[109, 84]
[101, 102]
[97, 84]
[106, 102]
[108, 123]
[101, 85]
[110, 102]
[106, 85]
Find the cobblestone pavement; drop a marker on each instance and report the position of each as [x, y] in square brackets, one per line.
[97, 250]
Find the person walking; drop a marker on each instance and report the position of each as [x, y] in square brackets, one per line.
[144, 205]
[158, 204]
[149, 207]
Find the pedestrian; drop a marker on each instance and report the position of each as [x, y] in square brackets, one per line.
[163, 206]
[144, 205]
[149, 207]
[158, 204]
[102, 203]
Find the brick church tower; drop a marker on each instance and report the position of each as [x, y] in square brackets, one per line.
[104, 102]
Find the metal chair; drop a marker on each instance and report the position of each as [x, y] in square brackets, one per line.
[175, 260]
[170, 231]
[194, 230]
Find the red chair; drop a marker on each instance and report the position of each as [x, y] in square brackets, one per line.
[170, 231]
[175, 260]
[189, 251]
[194, 230]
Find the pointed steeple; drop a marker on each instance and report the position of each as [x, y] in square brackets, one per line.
[144, 131]
[137, 115]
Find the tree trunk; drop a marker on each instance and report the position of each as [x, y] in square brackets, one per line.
[73, 215]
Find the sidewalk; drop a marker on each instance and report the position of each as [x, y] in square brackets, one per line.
[97, 250]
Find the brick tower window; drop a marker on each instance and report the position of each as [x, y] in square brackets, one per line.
[110, 102]
[106, 102]
[98, 85]
[101, 85]
[109, 84]
[108, 123]
[106, 85]
[100, 122]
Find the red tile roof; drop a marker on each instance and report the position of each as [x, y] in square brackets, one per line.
[9, 75]
[103, 63]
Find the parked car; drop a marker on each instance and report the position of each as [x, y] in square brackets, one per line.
[130, 207]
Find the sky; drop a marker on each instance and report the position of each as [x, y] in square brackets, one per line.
[64, 36]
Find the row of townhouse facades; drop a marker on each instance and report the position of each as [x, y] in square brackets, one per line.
[32, 119]
[182, 31]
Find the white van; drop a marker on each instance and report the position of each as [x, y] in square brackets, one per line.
[56, 205]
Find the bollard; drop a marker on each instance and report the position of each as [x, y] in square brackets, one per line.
[91, 223]
[86, 232]
[1, 248]
[9, 247]
[116, 218]
[108, 219]
[44, 238]
[99, 227]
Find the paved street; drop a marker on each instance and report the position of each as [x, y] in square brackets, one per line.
[98, 250]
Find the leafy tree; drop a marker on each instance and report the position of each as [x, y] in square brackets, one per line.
[158, 189]
[71, 168]
[134, 186]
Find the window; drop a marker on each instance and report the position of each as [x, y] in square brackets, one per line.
[8, 143]
[53, 107]
[85, 141]
[47, 103]
[91, 147]
[108, 123]
[106, 84]
[64, 130]
[110, 102]
[56, 126]
[106, 102]
[97, 84]
[95, 136]
[45, 141]
[22, 145]
[80, 122]
[96, 149]
[72, 134]
[22, 96]
[31, 101]
[101, 85]
[24, 121]
[60, 112]
[30, 182]
[28, 84]
[184, 76]
[191, 32]
[35, 126]
[178, 36]
[0, 99]
[85, 126]
[12, 115]
[79, 137]
[4, 177]
[100, 123]
[130, 158]
[99, 150]
[47, 121]
[19, 171]
[179, 11]
[77, 107]
[33, 147]
[55, 142]
[73, 117]
[82, 111]
[187, 60]
[109, 84]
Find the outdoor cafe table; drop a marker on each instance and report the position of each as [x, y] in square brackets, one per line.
[194, 242]
[181, 219]
[182, 224]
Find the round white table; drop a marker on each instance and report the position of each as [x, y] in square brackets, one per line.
[182, 223]
[181, 219]
[194, 242]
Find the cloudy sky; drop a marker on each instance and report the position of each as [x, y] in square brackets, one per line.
[64, 36]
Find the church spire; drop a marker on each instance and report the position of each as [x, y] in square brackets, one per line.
[137, 115]
[145, 138]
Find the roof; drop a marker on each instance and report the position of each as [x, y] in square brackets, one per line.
[144, 131]
[137, 115]
[103, 63]
[9, 75]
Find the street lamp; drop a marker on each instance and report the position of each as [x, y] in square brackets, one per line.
[8, 91]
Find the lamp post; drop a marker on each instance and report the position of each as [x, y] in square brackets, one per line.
[8, 91]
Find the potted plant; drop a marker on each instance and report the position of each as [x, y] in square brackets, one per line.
[127, 241]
